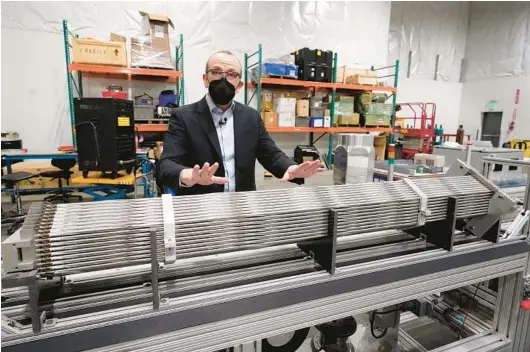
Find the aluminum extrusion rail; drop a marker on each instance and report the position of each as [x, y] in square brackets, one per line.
[214, 320]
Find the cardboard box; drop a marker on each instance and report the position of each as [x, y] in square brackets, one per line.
[99, 52]
[286, 119]
[151, 48]
[377, 120]
[158, 150]
[367, 79]
[270, 119]
[302, 108]
[302, 121]
[366, 98]
[380, 147]
[350, 72]
[286, 105]
[340, 74]
[348, 119]
[266, 101]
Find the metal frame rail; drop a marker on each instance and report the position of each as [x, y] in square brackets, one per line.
[213, 320]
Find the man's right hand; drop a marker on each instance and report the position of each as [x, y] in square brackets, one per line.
[204, 176]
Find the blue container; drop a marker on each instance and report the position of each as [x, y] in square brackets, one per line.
[167, 97]
[282, 70]
[316, 121]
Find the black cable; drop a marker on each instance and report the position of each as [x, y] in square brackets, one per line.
[467, 310]
[372, 329]
[96, 140]
[292, 345]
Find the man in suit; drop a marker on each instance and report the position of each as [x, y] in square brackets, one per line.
[223, 136]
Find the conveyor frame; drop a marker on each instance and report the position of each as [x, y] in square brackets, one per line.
[214, 320]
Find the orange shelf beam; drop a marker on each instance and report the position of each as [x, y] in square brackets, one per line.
[151, 127]
[125, 72]
[363, 88]
[163, 128]
[291, 82]
[328, 129]
[326, 85]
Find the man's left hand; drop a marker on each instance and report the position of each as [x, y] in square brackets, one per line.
[304, 170]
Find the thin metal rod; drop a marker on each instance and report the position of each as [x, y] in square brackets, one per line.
[436, 63]
[382, 68]
[154, 269]
[462, 63]
[245, 91]
[249, 56]
[511, 162]
[69, 81]
[409, 63]
[254, 64]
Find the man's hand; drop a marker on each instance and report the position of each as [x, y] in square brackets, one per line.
[304, 170]
[204, 176]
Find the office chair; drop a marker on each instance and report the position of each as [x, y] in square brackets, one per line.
[63, 195]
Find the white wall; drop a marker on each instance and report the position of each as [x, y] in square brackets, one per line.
[34, 95]
[446, 96]
[428, 29]
[497, 64]
[475, 97]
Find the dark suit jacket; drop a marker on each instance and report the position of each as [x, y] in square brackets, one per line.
[192, 139]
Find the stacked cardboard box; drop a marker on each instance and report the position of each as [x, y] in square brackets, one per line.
[151, 49]
[344, 111]
[286, 109]
[99, 52]
[348, 75]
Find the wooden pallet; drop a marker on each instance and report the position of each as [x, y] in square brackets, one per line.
[377, 126]
[348, 125]
[152, 121]
[291, 78]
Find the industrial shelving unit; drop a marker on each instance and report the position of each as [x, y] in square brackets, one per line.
[114, 72]
[268, 82]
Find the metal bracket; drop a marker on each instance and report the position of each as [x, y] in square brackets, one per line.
[169, 229]
[440, 233]
[154, 269]
[517, 225]
[324, 249]
[424, 212]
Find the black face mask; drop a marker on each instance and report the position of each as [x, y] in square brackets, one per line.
[221, 91]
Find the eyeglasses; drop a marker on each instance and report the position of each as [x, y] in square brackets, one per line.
[218, 74]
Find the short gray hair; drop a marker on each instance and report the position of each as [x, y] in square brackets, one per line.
[226, 52]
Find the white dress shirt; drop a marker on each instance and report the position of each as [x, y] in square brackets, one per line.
[224, 125]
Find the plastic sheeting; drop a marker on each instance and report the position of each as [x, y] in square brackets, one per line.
[34, 95]
[498, 40]
[428, 29]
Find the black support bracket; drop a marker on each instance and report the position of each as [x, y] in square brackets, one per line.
[324, 249]
[440, 233]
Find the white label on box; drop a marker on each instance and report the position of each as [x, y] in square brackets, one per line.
[318, 123]
[286, 119]
[287, 105]
[159, 31]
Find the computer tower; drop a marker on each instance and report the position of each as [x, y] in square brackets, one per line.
[105, 135]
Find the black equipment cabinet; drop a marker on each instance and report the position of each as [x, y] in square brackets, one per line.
[105, 135]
